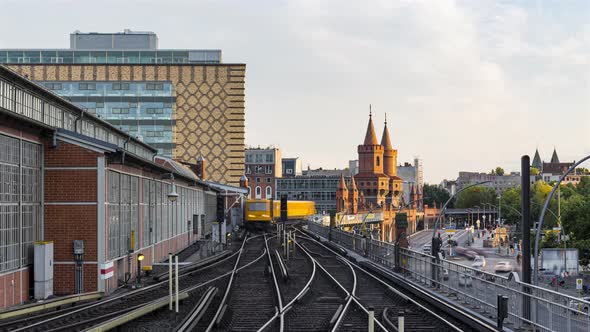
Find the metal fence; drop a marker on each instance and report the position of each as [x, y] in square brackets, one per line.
[529, 307]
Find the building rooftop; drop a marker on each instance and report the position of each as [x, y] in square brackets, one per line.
[127, 47]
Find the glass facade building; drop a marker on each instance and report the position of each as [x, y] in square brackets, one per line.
[145, 110]
[320, 189]
[69, 56]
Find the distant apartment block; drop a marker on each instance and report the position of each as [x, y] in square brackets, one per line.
[263, 166]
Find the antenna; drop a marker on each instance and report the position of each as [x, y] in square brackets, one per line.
[370, 111]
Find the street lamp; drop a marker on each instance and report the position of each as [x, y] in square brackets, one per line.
[140, 257]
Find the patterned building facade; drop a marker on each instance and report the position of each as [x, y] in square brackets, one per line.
[209, 110]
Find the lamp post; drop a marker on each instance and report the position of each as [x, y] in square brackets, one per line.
[172, 197]
[140, 257]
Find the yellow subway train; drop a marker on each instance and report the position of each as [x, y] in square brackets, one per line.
[258, 211]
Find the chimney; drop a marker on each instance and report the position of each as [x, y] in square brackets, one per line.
[201, 168]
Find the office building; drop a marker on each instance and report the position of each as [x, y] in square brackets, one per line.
[413, 178]
[318, 188]
[185, 103]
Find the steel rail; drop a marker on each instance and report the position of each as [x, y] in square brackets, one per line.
[227, 290]
[396, 291]
[274, 278]
[349, 297]
[299, 295]
[134, 292]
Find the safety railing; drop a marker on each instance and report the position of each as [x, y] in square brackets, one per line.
[529, 307]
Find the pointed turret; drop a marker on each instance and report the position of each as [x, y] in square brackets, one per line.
[353, 196]
[389, 154]
[342, 196]
[342, 183]
[385, 140]
[537, 163]
[554, 158]
[370, 136]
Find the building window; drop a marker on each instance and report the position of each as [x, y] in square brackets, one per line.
[258, 169]
[87, 86]
[258, 158]
[155, 111]
[154, 86]
[99, 105]
[267, 180]
[378, 161]
[268, 192]
[120, 86]
[257, 180]
[20, 201]
[269, 158]
[258, 193]
[53, 86]
[120, 111]
[289, 171]
[268, 169]
[248, 169]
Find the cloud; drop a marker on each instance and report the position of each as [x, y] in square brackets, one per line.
[467, 85]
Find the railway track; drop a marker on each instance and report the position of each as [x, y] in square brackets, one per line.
[375, 293]
[80, 318]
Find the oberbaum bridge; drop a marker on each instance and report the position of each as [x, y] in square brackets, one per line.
[301, 276]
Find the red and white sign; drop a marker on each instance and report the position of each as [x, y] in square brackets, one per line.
[107, 270]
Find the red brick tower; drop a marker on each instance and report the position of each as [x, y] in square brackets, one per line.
[354, 196]
[371, 179]
[342, 196]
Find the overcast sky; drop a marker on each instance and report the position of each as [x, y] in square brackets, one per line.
[466, 85]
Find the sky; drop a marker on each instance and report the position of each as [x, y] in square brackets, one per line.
[466, 85]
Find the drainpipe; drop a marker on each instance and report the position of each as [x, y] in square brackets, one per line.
[125, 150]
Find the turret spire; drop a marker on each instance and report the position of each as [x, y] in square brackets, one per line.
[370, 136]
[554, 157]
[342, 183]
[385, 140]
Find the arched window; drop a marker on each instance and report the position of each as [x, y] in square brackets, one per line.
[258, 192]
[268, 192]
[377, 161]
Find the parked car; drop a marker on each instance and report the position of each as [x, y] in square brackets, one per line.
[503, 266]
[465, 279]
[581, 306]
[479, 262]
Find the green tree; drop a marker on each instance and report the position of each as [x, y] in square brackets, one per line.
[433, 193]
[511, 205]
[477, 195]
[499, 171]
[535, 171]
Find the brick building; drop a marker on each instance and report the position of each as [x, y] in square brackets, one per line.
[372, 198]
[185, 103]
[66, 175]
[263, 166]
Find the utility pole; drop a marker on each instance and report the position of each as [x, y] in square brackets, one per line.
[526, 233]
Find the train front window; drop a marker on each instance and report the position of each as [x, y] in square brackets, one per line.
[257, 207]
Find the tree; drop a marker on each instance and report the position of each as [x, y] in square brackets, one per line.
[477, 195]
[535, 171]
[511, 204]
[434, 193]
[499, 171]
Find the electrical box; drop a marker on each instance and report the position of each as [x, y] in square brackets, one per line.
[43, 269]
[78, 247]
